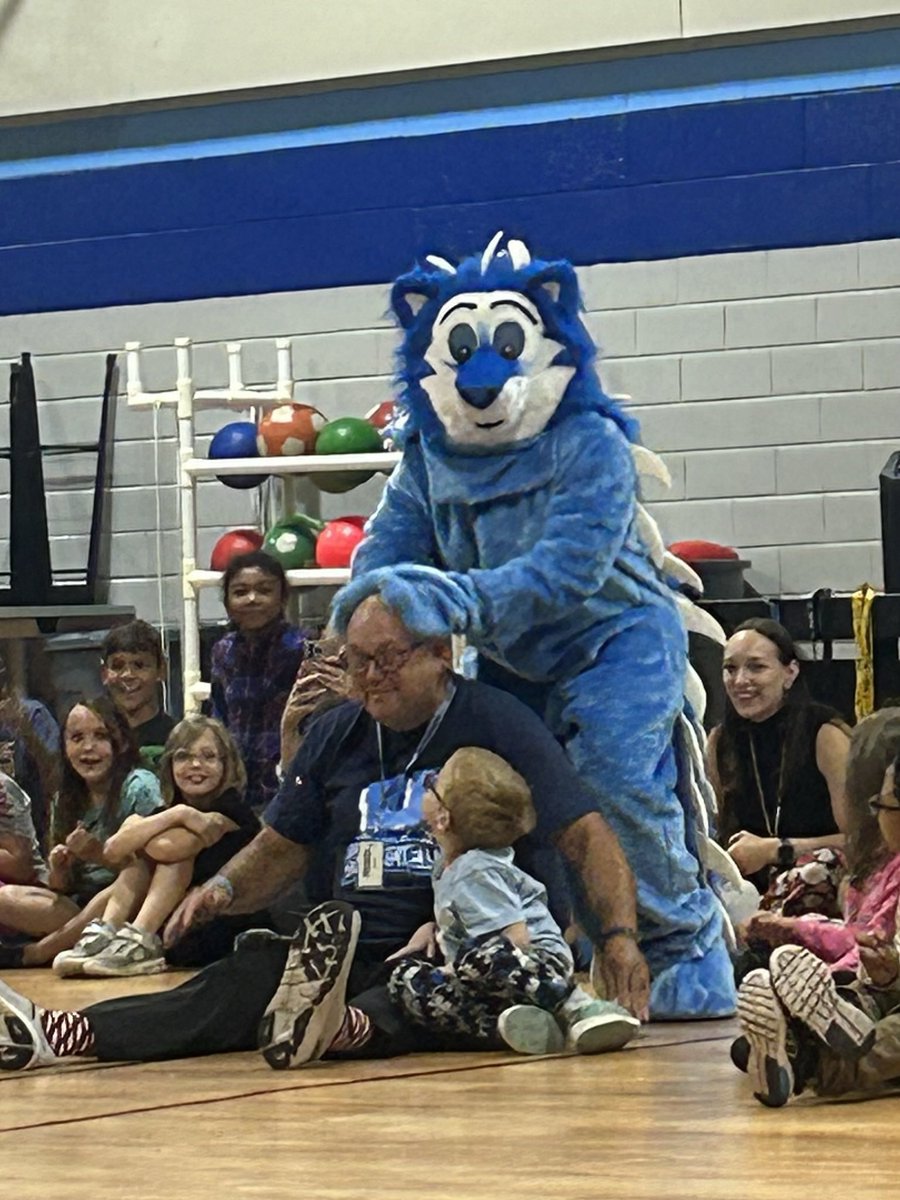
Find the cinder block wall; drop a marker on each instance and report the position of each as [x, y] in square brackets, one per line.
[768, 380]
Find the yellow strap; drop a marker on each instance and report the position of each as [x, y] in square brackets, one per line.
[861, 606]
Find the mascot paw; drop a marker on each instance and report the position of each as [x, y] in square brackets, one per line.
[695, 989]
[429, 602]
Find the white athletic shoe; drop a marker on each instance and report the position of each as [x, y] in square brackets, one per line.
[95, 938]
[805, 986]
[600, 1026]
[22, 1041]
[131, 952]
[307, 1010]
[530, 1030]
[764, 1025]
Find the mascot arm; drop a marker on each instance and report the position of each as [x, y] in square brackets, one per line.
[400, 530]
[587, 522]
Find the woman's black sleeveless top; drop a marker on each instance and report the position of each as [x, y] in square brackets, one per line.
[806, 803]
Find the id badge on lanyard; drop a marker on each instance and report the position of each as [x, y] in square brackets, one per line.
[393, 848]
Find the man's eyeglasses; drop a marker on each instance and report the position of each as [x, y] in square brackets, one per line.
[206, 758]
[877, 805]
[386, 661]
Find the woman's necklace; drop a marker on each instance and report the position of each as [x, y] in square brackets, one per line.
[771, 828]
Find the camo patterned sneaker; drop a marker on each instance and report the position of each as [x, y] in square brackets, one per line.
[307, 1010]
[96, 937]
[22, 1041]
[131, 952]
[530, 1030]
[764, 1025]
[804, 985]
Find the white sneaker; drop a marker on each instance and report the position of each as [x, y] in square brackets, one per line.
[23, 1045]
[805, 986]
[96, 937]
[600, 1026]
[307, 1010]
[530, 1030]
[131, 952]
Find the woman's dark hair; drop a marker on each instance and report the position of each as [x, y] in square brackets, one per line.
[733, 760]
[74, 799]
[255, 558]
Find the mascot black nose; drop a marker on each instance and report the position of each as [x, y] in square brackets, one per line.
[479, 397]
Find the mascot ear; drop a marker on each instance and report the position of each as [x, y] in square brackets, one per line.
[409, 293]
[558, 281]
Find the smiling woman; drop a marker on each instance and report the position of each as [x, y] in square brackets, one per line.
[778, 760]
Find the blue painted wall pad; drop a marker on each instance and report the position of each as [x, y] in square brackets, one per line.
[786, 171]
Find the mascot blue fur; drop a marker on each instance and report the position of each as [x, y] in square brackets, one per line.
[514, 520]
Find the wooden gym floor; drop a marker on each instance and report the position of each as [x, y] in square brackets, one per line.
[666, 1119]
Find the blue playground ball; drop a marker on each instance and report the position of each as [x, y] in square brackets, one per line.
[237, 439]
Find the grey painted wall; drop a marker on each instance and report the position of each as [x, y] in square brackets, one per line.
[770, 382]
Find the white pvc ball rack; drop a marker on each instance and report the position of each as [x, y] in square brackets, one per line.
[186, 399]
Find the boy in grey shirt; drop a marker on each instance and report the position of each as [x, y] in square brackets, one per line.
[21, 860]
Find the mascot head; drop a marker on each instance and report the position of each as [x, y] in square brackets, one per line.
[494, 350]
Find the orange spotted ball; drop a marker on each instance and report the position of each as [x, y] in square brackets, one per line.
[289, 429]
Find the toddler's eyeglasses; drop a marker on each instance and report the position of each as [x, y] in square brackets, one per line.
[429, 782]
[206, 758]
[877, 805]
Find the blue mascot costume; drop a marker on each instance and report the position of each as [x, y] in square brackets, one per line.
[513, 519]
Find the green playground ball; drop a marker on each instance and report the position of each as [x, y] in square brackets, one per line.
[292, 543]
[346, 435]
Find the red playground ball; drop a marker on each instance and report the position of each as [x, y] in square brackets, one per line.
[232, 543]
[237, 439]
[289, 429]
[338, 540]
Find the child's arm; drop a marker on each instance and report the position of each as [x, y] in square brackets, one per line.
[135, 832]
[16, 864]
[195, 832]
[518, 934]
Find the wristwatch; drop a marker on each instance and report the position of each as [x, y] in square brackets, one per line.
[787, 856]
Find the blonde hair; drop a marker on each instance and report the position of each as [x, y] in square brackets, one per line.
[183, 736]
[489, 803]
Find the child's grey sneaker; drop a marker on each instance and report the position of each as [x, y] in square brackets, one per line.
[804, 985]
[96, 937]
[601, 1026]
[307, 1010]
[764, 1025]
[131, 952]
[530, 1030]
[22, 1041]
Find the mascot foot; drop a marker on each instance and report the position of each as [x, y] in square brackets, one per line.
[696, 989]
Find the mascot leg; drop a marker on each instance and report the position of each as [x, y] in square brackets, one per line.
[617, 720]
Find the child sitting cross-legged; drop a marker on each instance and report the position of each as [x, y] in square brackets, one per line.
[204, 824]
[507, 968]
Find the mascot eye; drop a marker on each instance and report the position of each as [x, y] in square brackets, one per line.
[509, 339]
[463, 342]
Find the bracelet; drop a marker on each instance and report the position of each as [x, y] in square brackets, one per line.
[617, 931]
[222, 881]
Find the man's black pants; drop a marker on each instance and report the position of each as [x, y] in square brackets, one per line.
[219, 1011]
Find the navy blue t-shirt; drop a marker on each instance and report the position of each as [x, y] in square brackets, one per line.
[318, 804]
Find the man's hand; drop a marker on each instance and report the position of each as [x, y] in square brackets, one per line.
[752, 853]
[620, 972]
[85, 846]
[879, 959]
[423, 941]
[320, 678]
[199, 907]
